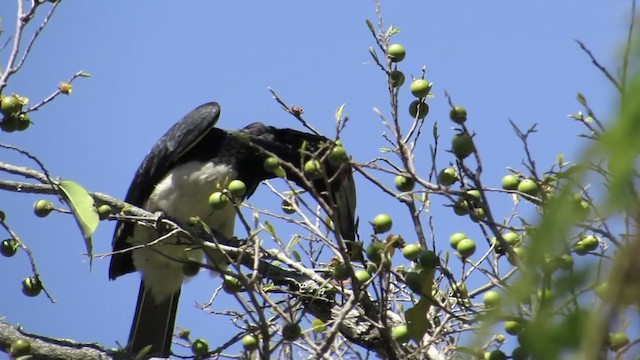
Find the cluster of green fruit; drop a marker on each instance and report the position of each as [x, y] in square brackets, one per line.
[220, 199]
[13, 118]
[31, 286]
[420, 88]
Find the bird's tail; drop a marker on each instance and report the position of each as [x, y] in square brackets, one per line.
[153, 323]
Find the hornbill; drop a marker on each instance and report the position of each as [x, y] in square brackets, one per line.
[190, 162]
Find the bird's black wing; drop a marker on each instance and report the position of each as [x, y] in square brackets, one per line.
[164, 155]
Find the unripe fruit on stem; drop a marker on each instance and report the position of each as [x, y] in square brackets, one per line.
[65, 88]
[382, 223]
[287, 205]
[237, 188]
[418, 109]
[291, 331]
[340, 272]
[400, 333]
[458, 114]
[411, 251]
[396, 78]
[10, 105]
[513, 327]
[271, 164]
[20, 347]
[404, 184]
[462, 145]
[491, 299]
[428, 259]
[447, 176]
[495, 355]
[250, 342]
[42, 208]
[218, 200]
[375, 251]
[313, 169]
[231, 285]
[104, 211]
[590, 242]
[528, 187]
[318, 325]
[9, 247]
[420, 88]
[338, 155]
[362, 276]
[31, 286]
[200, 347]
[466, 247]
[618, 340]
[396, 52]
[455, 239]
[510, 182]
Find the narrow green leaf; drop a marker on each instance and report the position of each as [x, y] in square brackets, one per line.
[269, 228]
[294, 241]
[373, 54]
[581, 99]
[84, 210]
[296, 256]
[394, 30]
[339, 112]
[417, 322]
[371, 28]
[84, 74]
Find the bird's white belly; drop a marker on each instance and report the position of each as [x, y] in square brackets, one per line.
[182, 194]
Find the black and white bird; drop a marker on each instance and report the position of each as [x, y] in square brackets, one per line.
[190, 162]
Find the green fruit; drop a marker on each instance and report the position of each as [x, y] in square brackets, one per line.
[565, 262]
[400, 333]
[455, 239]
[513, 327]
[458, 114]
[231, 285]
[9, 247]
[313, 169]
[288, 205]
[382, 223]
[10, 105]
[462, 145]
[528, 187]
[338, 155]
[420, 88]
[191, 268]
[428, 259]
[466, 247]
[291, 331]
[318, 325]
[396, 78]
[404, 184]
[590, 242]
[461, 208]
[519, 353]
[511, 238]
[250, 342]
[104, 211]
[10, 123]
[618, 340]
[520, 253]
[411, 251]
[24, 121]
[362, 276]
[200, 347]
[341, 272]
[396, 52]
[42, 208]
[474, 196]
[374, 251]
[479, 215]
[237, 188]
[31, 286]
[545, 295]
[20, 347]
[3, 216]
[218, 200]
[491, 299]
[494, 355]
[510, 182]
[447, 176]
[418, 109]
[271, 164]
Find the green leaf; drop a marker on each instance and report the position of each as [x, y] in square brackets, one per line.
[373, 54]
[84, 74]
[296, 256]
[371, 28]
[417, 321]
[339, 112]
[269, 228]
[280, 172]
[84, 210]
[581, 99]
[294, 241]
[394, 30]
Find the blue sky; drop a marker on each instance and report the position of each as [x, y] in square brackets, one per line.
[153, 61]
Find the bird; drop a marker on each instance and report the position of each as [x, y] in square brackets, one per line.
[193, 159]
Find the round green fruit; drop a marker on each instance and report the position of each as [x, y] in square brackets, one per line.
[218, 200]
[565, 262]
[31, 286]
[545, 295]
[466, 247]
[455, 239]
[237, 188]
[520, 254]
[528, 186]
[231, 285]
[24, 121]
[200, 347]
[42, 208]
[511, 238]
[396, 78]
[618, 340]
[510, 182]
[474, 196]
[400, 333]
[382, 223]
[590, 242]
[396, 52]
[519, 353]
[338, 155]
[513, 327]
[341, 272]
[20, 347]
[418, 109]
[375, 251]
[420, 88]
[10, 105]
[9, 247]
[462, 145]
[491, 299]
[411, 251]
[461, 208]
[10, 123]
[428, 259]
[313, 169]
[104, 211]
[250, 342]
[458, 114]
[191, 268]
[447, 176]
[404, 184]
[291, 331]
[362, 276]
[318, 325]
[495, 355]
[271, 164]
[288, 205]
